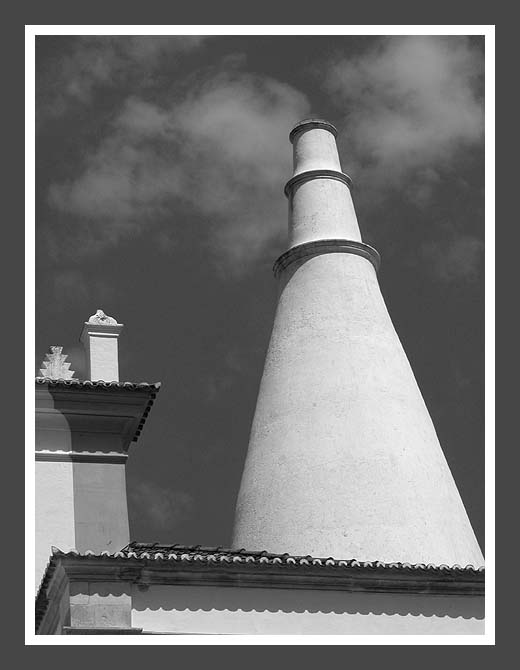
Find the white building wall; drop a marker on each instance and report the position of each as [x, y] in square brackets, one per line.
[54, 497]
[262, 611]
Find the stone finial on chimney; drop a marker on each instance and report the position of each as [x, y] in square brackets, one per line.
[55, 366]
[99, 337]
[101, 318]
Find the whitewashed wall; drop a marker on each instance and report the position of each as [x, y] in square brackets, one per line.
[249, 611]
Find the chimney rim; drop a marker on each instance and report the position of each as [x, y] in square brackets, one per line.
[311, 123]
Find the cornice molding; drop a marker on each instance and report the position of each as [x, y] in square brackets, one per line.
[80, 457]
[308, 175]
[318, 247]
[309, 124]
[160, 569]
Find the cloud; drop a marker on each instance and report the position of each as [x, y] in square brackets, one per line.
[163, 508]
[221, 151]
[456, 259]
[410, 105]
[93, 62]
[234, 362]
[213, 152]
[72, 285]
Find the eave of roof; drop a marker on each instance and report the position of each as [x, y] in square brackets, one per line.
[175, 563]
[155, 550]
[98, 386]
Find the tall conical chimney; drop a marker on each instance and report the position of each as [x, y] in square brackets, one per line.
[343, 458]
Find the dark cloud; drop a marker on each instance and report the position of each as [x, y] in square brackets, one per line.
[163, 508]
[75, 284]
[93, 62]
[451, 260]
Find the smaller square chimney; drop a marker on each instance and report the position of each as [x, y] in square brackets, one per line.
[99, 337]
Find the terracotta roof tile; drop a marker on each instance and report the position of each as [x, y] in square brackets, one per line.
[176, 552]
[87, 383]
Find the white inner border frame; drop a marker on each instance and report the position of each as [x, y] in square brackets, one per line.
[488, 31]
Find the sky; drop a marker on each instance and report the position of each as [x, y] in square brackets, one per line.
[160, 166]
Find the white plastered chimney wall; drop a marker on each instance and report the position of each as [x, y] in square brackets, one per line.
[343, 458]
[100, 339]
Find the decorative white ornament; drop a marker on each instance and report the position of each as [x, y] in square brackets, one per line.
[102, 319]
[55, 366]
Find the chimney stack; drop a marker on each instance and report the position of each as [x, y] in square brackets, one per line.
[343, 459]
[320, 205]
[99, 337]
[84, 429]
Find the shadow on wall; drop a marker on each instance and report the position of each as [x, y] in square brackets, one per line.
[67, 421]
[234, 599]
[80, 470]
